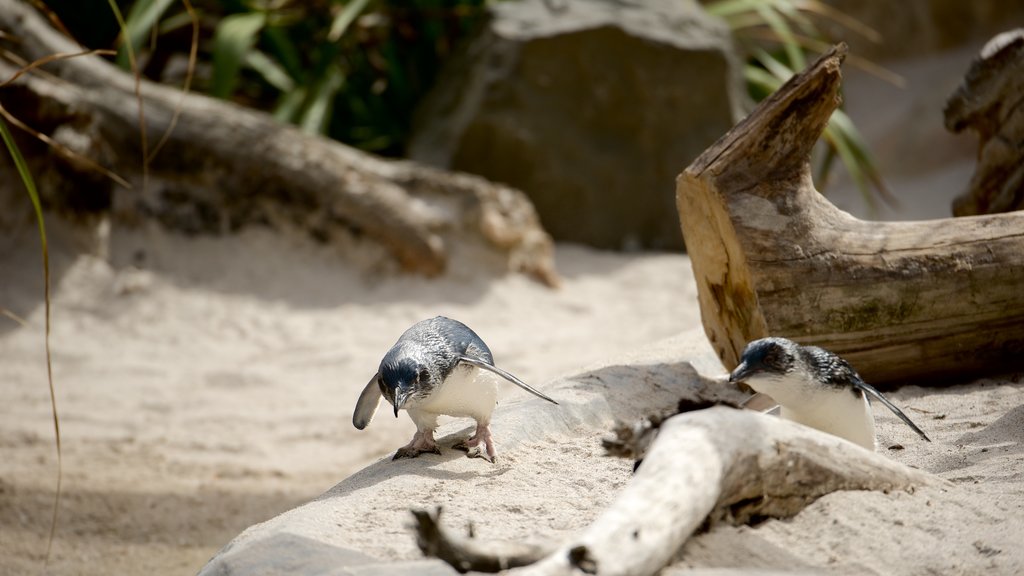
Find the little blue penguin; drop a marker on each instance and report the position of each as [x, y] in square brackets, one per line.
[814, 387]
[438, 366]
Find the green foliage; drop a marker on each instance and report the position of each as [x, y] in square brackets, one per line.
[787, 26]
[353, 70]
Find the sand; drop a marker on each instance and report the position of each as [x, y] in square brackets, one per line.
[207, 384]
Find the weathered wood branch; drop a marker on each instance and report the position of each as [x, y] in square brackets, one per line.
[902, 301]
[990, 102]
[224, 167]
[723, 464]
[467, 554]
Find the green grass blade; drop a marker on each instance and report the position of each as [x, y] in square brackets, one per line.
[762, 78]
[317, 114]
[837, 139]
[141, 19]
[289, 107]
[30, 185]
[780, 27]
[841, 18]
[825, 166]
[270, 70]
[284, 51]
[235, 36]
[727, 8]
[773, 65]
[174, 22]
[793, 12]
[862, 155]
[345, 18]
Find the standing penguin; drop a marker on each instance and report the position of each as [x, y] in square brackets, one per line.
[438, 366]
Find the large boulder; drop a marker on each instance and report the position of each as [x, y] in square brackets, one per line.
[592, 107]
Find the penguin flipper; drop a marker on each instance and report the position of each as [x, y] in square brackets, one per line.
[367, 404]
[870, 390]
[506, 375]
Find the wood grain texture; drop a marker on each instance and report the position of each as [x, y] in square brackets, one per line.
[902, 301]
[721, 464]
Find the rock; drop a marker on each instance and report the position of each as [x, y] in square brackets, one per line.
[591, 107]
[988, 103]
[918, 27]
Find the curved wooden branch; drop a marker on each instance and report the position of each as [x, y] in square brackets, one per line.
[467, 554]
[224, 167]
[989, 103]
[726, 464]
[902, 301]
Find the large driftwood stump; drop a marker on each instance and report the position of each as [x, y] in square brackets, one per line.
[720, 463]
[223, 167]
[902, 301]
[989, 103]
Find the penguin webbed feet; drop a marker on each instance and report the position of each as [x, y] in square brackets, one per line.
[408, 452]
[479, 445]
[421, 443]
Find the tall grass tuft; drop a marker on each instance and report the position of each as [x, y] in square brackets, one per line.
[777, 37]
[30, 186]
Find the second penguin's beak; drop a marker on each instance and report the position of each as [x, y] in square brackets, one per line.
[741, 373]
[401, 395]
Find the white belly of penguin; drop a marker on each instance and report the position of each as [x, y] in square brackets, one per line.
[467, 392]
[839, 412]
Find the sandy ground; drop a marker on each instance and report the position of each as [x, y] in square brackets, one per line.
[207, 384]
[204, 385]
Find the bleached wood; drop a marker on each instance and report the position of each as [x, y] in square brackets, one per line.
[721, 463]
[902, 301]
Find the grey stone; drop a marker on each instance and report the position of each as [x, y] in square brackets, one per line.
[285, 553]
[592, 109]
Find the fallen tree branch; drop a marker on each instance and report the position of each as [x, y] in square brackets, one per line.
[723, 464]
[901, 301]
[468, 554]
[223, 167]
[988, 102]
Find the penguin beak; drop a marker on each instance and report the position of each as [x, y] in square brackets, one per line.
[401, 395]
[741, 373]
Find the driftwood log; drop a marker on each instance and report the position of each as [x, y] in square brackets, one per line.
[721, 464]
[988, 102]
[223, 167]
[902, 301]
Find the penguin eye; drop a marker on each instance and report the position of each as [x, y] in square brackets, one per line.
[423, 375]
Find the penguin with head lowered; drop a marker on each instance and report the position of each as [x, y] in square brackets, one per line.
[814, 387]
[438, 366]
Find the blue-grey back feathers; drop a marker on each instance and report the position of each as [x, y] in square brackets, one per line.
[782, 356]
[424, 356]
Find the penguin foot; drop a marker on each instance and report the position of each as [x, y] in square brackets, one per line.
[472, 445]
[407, 452]
[422, 442]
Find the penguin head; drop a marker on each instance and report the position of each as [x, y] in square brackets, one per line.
[767, 358]
[403, 379]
